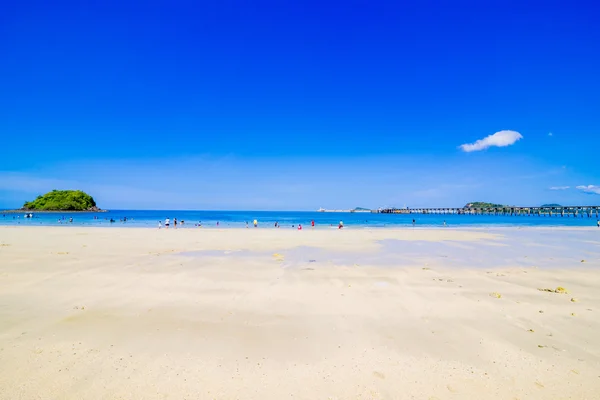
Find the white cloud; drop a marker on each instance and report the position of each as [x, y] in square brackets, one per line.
[498, 139]
[560, 187]
[592, 189]
[549, 133]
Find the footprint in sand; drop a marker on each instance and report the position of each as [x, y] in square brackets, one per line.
[378, 374]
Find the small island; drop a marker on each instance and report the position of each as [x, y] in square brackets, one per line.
[62, 200]
[481, 204]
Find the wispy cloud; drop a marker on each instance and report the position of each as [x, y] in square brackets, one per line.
[591, 189]
[549, 133]
[560, 187]
[498, 139]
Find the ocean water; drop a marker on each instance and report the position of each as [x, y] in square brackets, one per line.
[286, 219]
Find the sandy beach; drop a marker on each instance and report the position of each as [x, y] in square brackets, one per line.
[134, 313]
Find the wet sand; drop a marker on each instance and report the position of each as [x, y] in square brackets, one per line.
[127, 313]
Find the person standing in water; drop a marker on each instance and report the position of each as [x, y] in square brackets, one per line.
[167, 223]
[159, 224]
[444, 222]
[414, 222]
[598, 223]
[255, 223]
[312, 223]
[341, 225]
[175, 223]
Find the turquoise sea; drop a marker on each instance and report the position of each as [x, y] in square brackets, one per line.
[286, 219]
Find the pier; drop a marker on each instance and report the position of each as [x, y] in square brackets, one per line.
[549, 211]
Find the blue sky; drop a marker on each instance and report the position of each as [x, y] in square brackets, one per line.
[299, 104]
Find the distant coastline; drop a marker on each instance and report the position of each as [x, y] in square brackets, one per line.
[353, 210]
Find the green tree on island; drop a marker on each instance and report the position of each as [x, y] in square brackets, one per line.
[481, 204]
[62, 200]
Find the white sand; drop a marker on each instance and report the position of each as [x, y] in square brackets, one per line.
[113, 313]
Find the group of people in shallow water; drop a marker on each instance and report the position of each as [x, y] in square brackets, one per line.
[175, 223]
[167, 224]
[63, 220]
[255, 223]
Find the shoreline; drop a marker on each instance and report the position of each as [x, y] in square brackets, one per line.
[131, 225]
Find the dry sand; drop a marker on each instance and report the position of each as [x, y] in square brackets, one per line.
[118, 313]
